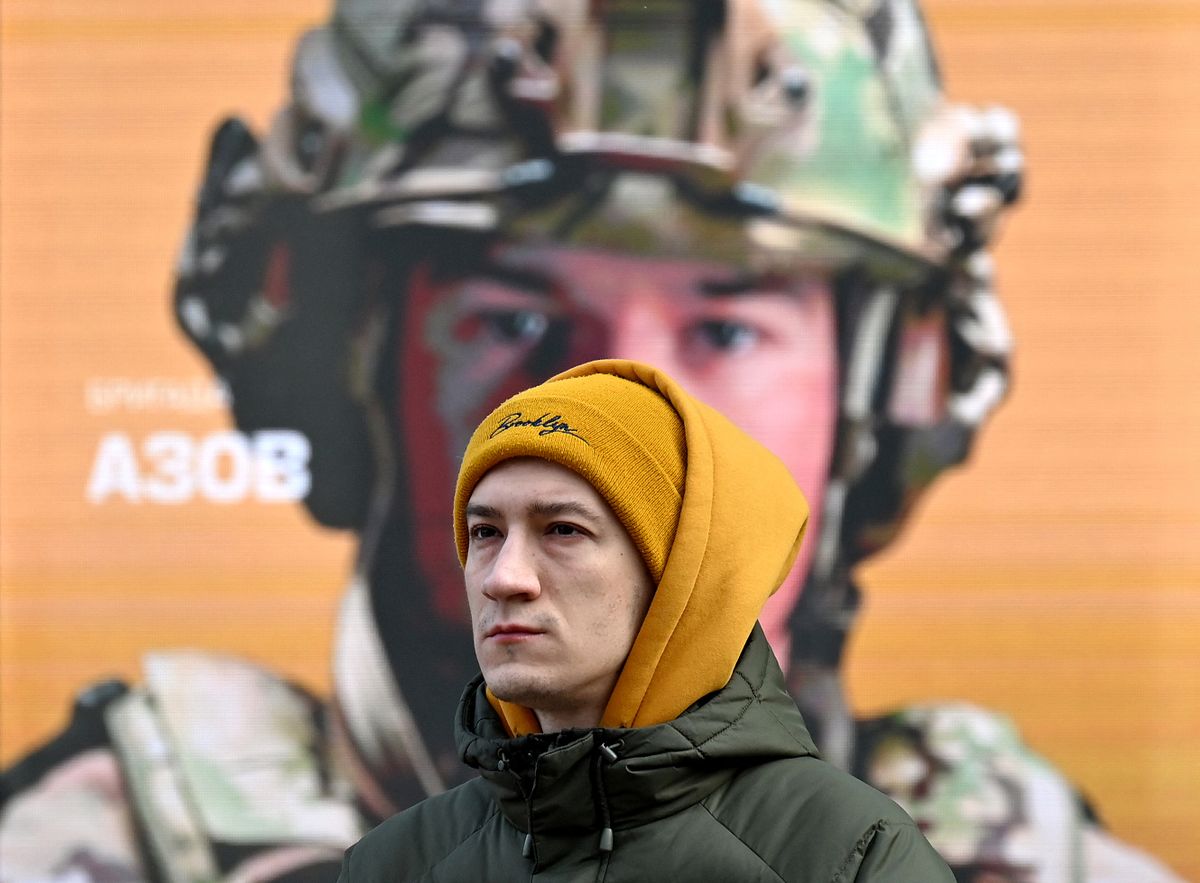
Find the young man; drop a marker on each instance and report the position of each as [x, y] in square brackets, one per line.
[773, 201]
[619, 539]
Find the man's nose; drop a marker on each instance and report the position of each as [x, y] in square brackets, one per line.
[514, 573]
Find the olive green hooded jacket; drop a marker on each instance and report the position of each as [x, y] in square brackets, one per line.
[732, 790]
[701, 768]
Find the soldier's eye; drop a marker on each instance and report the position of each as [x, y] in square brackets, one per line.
[725, 335]
[514, 326]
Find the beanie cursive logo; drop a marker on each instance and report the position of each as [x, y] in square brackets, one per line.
[548, 424]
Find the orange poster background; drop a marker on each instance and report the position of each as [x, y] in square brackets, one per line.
[1055, 579]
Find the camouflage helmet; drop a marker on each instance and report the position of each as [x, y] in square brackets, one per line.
[760, 132]
[757, 132]
[800, 117]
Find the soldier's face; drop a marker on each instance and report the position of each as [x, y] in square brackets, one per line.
[761, 352]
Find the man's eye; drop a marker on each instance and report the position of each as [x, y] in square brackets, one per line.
[725, 335]
[564, 530]
[514, 326]
[483, 532]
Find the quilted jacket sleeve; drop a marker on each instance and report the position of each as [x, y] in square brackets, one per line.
[894, 852]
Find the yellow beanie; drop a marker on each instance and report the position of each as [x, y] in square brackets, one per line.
[622, 437]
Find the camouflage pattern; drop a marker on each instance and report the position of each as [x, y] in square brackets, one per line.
[253, 774]
[996, 811]
[984, 801]
[216, 770]
[791, 104]
[791, 97]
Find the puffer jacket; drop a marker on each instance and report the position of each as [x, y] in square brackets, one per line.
[731, 790]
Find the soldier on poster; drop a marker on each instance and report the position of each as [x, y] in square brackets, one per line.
[774, 202]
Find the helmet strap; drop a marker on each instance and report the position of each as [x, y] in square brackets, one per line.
[830, 601]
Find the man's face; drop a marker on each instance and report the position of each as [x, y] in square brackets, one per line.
[557, 590]
[763, 352]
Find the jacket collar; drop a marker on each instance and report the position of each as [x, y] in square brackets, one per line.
[561, 786]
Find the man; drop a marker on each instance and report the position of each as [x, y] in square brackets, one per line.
[771, 201]
[618, 539]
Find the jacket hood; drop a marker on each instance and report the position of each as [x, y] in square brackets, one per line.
[740, 525]
[547, 783]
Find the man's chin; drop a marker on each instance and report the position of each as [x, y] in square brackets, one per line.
[525, 687]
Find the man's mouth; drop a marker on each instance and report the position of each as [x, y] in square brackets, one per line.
[505, 633]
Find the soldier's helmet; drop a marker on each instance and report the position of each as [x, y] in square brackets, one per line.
[768, 134]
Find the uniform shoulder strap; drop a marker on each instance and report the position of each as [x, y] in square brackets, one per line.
[224, 761]
[84, 731]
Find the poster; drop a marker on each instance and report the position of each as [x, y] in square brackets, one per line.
[1053, 579]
